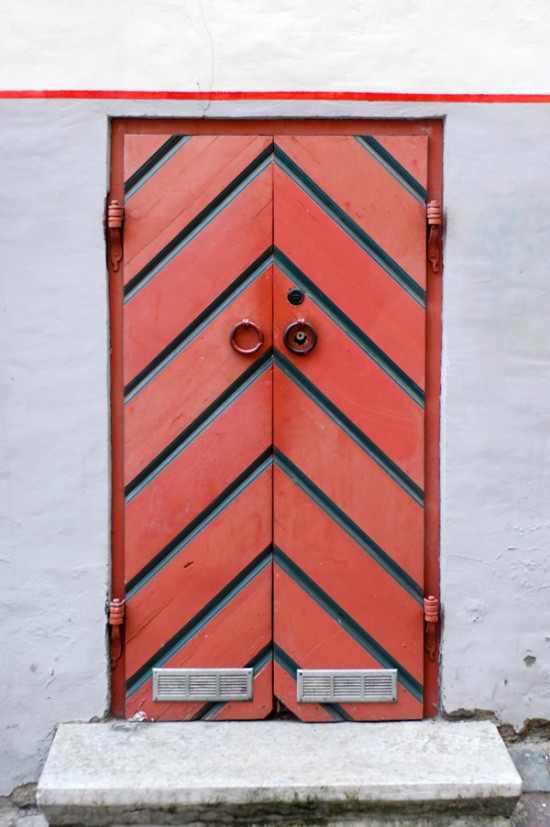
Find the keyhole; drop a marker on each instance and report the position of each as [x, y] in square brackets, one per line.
[300, 337]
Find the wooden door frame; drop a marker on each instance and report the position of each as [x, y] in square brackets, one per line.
[433, 129]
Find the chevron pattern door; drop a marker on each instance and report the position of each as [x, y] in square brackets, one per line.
[273, 358]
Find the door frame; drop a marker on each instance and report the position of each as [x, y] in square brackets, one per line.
[433, 129]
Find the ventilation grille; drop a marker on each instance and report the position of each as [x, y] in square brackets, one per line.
[347, 685]
[202, 684]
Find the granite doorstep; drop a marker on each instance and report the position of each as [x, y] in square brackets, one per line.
[249, 771]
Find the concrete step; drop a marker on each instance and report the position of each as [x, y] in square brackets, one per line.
[421, 773]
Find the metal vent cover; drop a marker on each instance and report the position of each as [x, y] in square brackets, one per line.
[347, 685]
[203, 684]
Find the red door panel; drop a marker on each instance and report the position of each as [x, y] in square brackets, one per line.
[309, 442]
[197, 418]
[340, 363]
[319, 549]
[353, 175]
[194, 568]
[213, 168]
[238, 633]
[148, 430]
[274, 500]
[344, 271]
[160, 310]
[318, 640]
[348, 498]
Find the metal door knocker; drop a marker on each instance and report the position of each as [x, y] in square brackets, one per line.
[300, 337]
[246, 324]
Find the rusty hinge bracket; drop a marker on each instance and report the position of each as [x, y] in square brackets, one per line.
[433, 216]
[115, 218]
[117, 611]
[431, 617]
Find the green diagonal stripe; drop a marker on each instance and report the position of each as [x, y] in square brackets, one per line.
[191, 230]
[345, 620]
[193, 329]
[199, 621]
[199, 523]
[368, 244]
[392, 165]
[152, 165]
[291, 667]
[200, 424]
[355, 333]
[346, 524]
[257, 663]
[350, 428]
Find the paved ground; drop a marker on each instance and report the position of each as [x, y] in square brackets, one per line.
[533, 810]
[532, 760]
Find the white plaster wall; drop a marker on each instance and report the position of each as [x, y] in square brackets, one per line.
[496, 414]
[458, 46]
[54, 478]
[496, 408]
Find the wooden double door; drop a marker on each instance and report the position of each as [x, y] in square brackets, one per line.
[270, 309]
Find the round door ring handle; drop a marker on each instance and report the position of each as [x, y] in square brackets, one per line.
[245, 324]
[301, 332]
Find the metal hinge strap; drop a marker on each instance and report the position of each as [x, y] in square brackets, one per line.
[115, 219]
[117, 613]
[431, 618]
[434, 219]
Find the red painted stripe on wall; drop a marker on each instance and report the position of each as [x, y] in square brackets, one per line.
[227, 96]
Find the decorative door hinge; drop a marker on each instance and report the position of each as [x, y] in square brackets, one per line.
[117, 611]
[431, 617]
[433, 215]
[115, 218]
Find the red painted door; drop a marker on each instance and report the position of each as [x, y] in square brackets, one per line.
[273, 504]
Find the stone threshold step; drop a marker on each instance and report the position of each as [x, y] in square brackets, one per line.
[424, 772]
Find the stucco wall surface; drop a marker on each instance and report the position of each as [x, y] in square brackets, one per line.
[461, 46]
[54, 459]
[54, 554]
[495, 467]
